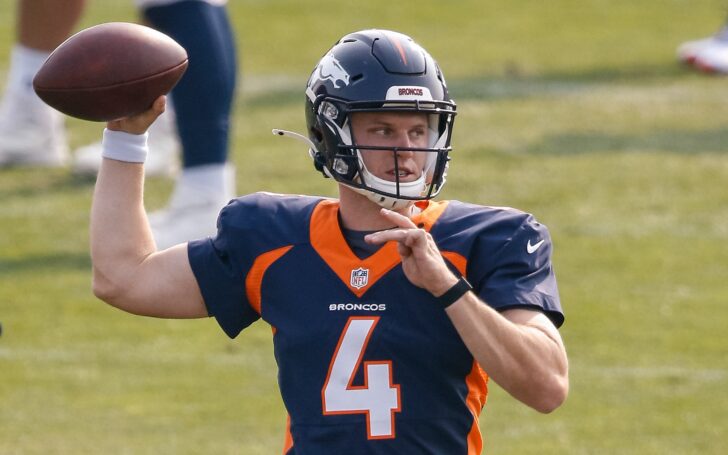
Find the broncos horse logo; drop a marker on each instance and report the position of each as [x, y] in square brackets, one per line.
[330, 69]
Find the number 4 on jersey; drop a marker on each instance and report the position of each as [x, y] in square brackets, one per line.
[378, 398]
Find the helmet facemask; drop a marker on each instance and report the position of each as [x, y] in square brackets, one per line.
[347, 165]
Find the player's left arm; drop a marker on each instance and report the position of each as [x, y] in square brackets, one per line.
[520, 349]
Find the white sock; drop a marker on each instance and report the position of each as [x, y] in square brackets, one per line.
[24, 64]
[20, 107]
[213, 183]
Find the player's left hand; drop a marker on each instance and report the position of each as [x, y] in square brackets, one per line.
[421, 259]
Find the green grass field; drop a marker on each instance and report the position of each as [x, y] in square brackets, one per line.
[573, 110]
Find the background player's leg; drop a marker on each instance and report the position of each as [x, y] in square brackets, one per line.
[203, 102]
[44, 24]
[31, 132]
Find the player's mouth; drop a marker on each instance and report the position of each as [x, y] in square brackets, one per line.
[402, 173]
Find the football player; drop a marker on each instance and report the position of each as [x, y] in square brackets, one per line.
[390, 311]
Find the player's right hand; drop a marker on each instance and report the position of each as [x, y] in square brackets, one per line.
[422, 261]
[139, 123]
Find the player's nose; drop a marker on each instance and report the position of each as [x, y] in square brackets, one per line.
[401, 140]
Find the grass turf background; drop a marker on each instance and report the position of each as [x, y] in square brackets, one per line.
[573, 110]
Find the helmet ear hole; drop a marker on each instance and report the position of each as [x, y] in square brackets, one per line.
[316, 134]
[319, 162]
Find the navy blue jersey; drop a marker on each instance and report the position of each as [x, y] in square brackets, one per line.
[368, 362]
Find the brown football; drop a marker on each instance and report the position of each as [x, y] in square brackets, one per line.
[110, 71]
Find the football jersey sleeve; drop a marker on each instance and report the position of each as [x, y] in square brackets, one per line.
[220, 270]
[519, 274]
[248, 227]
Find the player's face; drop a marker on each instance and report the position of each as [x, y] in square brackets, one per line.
[392, 129]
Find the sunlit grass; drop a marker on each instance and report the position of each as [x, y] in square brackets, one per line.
[574, 111]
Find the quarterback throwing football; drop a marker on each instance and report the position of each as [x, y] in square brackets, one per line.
[390, 311]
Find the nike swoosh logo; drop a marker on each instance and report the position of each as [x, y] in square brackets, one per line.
[532, 248]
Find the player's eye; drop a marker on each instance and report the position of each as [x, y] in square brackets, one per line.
[418, 134]
[381, 131]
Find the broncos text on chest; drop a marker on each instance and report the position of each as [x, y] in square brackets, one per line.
[358, 307]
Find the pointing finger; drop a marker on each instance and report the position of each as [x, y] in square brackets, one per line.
[397, 235]
[398, 219]
[406, 237]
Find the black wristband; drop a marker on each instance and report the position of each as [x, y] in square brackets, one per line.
[453, 294]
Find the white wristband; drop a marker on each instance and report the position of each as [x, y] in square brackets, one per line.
[121, 146]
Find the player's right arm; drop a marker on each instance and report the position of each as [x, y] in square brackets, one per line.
[128, 272]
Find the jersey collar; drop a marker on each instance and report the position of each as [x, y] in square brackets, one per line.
[359, 274]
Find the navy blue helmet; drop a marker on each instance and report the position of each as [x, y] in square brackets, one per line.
[377, 71]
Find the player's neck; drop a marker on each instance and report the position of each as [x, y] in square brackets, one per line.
[358, 213]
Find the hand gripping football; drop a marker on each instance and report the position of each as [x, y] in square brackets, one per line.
[110, 71]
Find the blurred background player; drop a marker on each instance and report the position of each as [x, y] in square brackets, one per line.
[33, 134]
[708, 54]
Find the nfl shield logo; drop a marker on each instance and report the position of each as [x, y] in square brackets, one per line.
[359, 278]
